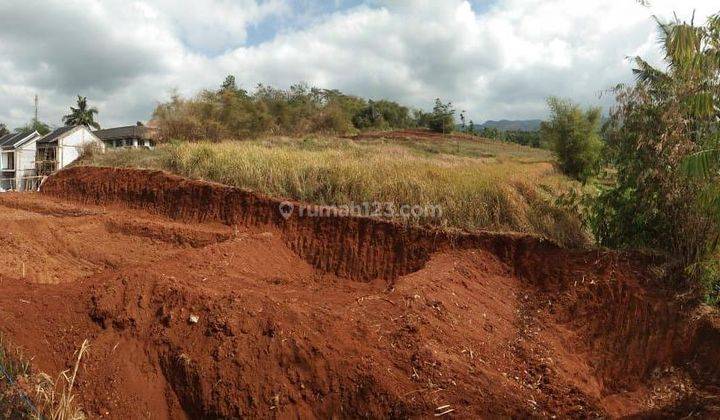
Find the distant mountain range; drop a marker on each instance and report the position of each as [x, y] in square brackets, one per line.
[511, 125]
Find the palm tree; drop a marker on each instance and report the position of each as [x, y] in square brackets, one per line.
[82, 115]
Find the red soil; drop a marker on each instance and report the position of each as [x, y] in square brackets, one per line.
[333, 317]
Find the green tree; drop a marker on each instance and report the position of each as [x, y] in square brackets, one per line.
[382, 114]
[82, 115]
[490, 133]
[664, 128]
[574, 136]
[368, 117]
[3, 130]
[442, 118]
[525, 138]
[471, 128]
[229, 84]
[34, 125]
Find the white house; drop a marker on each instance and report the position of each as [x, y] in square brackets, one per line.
[63, 146]
[17, 160]
[131, 136]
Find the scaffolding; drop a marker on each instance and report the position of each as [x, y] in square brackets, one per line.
[15, 179]
[29, 182]
[46, 160]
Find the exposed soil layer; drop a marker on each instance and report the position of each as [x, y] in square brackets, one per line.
[343, 317]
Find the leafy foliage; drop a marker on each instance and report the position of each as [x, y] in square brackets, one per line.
[522, 137]
[3, 130]
[82, 115]
[382, 114]
[491, 133]
[442, 118]
[471, 128]
[34, 125]
[663, 141]
[232, 112]
[525, 138]
[574, 136]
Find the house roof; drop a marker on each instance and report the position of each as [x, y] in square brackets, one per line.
[15, 140]
[127, 132]
[8, 139]
[57, 133]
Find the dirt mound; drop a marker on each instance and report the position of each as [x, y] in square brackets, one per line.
[339, 317]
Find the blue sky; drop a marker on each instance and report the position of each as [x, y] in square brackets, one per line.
[498, 59]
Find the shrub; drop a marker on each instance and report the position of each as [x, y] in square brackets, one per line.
[573, 134]
[667, 122]
[490, 133]
[381, 115]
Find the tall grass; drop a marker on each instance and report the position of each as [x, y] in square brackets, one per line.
[492, 187]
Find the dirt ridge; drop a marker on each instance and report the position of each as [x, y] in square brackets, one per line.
[367, 248]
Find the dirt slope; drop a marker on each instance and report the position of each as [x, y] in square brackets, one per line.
[322, 317]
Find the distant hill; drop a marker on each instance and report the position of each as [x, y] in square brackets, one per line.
[511, 125]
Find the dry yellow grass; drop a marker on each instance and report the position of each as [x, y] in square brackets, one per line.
[51, 399]
[56, 398]
[477, 184]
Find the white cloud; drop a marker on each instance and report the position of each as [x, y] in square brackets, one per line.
[503, 62]
[212, 25]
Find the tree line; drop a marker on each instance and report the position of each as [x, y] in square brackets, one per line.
[233, 112]
[521, 137]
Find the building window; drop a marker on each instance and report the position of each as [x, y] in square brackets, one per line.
[8, 161]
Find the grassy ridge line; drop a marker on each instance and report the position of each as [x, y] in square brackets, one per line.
[477, 184]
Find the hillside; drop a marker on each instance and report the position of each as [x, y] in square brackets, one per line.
[474, 183]
[511, 125]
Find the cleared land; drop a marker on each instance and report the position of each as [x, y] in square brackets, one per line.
[349, 317]
[479, 184]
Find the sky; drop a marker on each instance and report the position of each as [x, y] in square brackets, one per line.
[493, 59]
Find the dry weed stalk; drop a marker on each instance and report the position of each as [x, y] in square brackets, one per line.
[55, 397]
